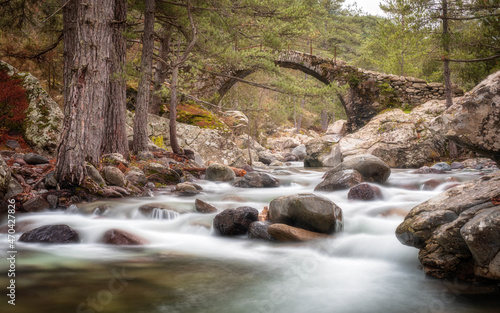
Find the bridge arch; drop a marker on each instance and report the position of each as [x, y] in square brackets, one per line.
[368, 93]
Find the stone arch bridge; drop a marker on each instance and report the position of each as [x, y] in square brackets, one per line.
[368, 93]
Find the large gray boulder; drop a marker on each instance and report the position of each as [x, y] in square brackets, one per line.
[257, 180]
[340, 180]
[458, 231]
[234, 222]
[44, 118]
[300, 151]
[219, 172]
[307, 211]
[400, 139]
[322, 153]
[51, 234]
[474, 120]
[372, 168]
[114, 176]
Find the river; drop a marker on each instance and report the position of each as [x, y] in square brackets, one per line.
[186, 268]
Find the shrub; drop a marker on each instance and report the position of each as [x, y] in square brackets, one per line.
[13, 103]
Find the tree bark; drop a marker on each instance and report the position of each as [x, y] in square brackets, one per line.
[115, 134]
[174, 143]
[446, 48]
[161, 71]
[87, 44]
[140, 142]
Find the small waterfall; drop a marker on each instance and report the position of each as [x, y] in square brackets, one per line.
[163, 214]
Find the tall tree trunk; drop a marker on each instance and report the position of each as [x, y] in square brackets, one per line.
[115, 134]
[87, 44]
[140, 142]
[325, 119]
[174, 143]
[161, 70]
[446, 49]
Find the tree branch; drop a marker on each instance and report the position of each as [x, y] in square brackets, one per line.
[473, 60]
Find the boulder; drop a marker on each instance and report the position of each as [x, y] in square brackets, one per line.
[338, 127]
[114, 176]
[266, 157]
[5, 177]
[53, 201]
[257, 180]
[219, 172]
[286, 233]
[364, 192]
[34, 159]
[442, 166]
[457, 166]
[51, 181]
[13, 189]
[51, 234]
[427, 170]
[457, 231]
[36, 204]
[113, 159]
[186, 189]
[204, 207]
[322, 153]
[120, 237]
[369, 166]
[340, 180]
[234, 222]
[136, 177]
[473, 121]
[300, 152]
[12, 144]
[431, 184]
[307, 211]
[290, 157]
[94, 174]
[258, 230]
[44, 118]
[401, 140]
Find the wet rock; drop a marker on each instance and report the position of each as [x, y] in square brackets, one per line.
[427, 170]
[34, 159]
[219, 172]
[258, 230]
[257, 180]
[121, 238]
[187, 189]
[364, 192]
[322, 153]
[234, 222]
[307, 211]
[457, 166]
[442, 166]
[12, 144]
[51, 234]
[340, 180]
[136, 177]
[286, 233]
[372, 168]
[473, 121]
[94, 174]
[52, 200]
[457, 231]
[113, 159]
[5, 177]
[266, 157]
[300, 152]
[36, 204]
[114, 176]
[431, 184]
[204, 207]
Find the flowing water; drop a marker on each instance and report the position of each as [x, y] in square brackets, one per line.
[186, 268]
